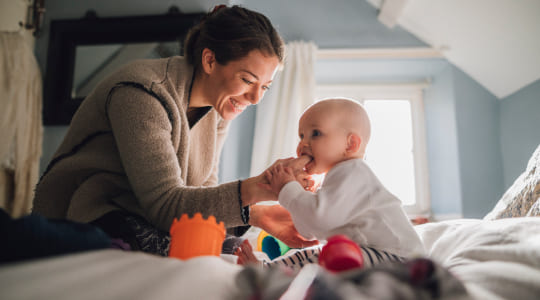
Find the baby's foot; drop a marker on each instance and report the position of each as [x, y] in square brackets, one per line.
[245, 254]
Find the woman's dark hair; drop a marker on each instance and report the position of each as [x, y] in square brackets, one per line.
[231, 33]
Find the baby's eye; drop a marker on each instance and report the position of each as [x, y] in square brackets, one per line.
[301, 136]
[247, 81]
[316, 133]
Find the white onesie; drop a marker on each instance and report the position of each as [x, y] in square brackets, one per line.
[352, 201]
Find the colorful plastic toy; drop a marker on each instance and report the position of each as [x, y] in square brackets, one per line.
[191, 237]
[270, 245]
[340, 254]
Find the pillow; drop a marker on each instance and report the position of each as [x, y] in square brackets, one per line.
[523, 197]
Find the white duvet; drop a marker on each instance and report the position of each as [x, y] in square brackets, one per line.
[497, 259]
[494, 259]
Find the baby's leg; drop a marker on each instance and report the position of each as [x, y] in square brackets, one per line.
[295, 259]
[374, 256]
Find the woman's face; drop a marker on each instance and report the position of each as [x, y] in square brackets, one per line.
[236, 85]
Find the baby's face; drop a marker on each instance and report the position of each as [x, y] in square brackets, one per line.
[321, 139]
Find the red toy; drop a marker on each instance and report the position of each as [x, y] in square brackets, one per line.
[340, 254]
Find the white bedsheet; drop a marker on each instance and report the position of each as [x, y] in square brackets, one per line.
[115, 274]
[497, 259]
[494, 259]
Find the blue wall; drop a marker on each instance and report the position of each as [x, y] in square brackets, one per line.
[442, 144]
[520, 130]
[480, 160]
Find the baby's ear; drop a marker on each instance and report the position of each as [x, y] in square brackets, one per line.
[353, 143]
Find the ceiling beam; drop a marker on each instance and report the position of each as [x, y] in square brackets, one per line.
[390, 12]
[388, 53]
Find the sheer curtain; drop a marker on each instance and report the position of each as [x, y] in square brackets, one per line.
[276, 122]
[20, 123]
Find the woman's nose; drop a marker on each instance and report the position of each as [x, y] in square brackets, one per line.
[254, 95]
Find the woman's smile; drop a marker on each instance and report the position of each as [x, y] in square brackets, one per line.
[237, 106]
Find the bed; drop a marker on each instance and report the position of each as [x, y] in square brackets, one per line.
[497, 257]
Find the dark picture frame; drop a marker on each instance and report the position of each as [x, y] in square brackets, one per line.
[65, 35]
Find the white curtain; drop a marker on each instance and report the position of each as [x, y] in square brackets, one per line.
[21, 128]
[276, 122]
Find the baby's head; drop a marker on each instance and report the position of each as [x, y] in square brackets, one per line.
[331, 131]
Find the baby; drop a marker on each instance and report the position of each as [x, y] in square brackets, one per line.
[334, 134]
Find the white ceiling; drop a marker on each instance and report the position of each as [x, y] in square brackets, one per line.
[496, 42]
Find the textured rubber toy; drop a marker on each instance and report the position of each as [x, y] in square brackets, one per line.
[191, 237]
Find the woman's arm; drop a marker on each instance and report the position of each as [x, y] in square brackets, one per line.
[143, 135]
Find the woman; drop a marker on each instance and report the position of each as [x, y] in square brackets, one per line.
[144, 146]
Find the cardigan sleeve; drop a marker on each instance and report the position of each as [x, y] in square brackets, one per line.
[142, 132]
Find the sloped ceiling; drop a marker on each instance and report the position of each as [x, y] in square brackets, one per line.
[496, 42]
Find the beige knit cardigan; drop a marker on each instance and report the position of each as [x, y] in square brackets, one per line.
[130, 147]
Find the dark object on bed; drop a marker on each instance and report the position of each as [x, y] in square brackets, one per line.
[416, 279]
[34, 236]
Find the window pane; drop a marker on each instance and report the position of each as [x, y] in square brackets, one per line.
[390, 150]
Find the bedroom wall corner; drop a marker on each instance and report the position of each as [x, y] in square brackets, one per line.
[519, 126]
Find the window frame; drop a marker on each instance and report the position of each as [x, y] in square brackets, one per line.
[409, 91]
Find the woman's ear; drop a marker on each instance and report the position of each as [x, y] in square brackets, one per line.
[208, 62]
[353, 143]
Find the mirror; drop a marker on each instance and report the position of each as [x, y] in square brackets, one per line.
[83, 51]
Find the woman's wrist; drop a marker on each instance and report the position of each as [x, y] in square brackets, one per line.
[252, 191]
[244, 209]
[246, 191]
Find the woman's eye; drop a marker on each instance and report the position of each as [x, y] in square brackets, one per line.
[266, 87]
[247, 81]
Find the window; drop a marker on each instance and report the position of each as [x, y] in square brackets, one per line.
[396, 151]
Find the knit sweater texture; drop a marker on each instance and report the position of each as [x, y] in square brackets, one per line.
[130, 147]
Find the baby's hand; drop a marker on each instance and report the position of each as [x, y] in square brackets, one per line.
[278, 176]
[297, 165]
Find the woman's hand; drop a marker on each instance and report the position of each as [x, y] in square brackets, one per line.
[277, 221]
[279, 176]
[256, 189]
[296, 166]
